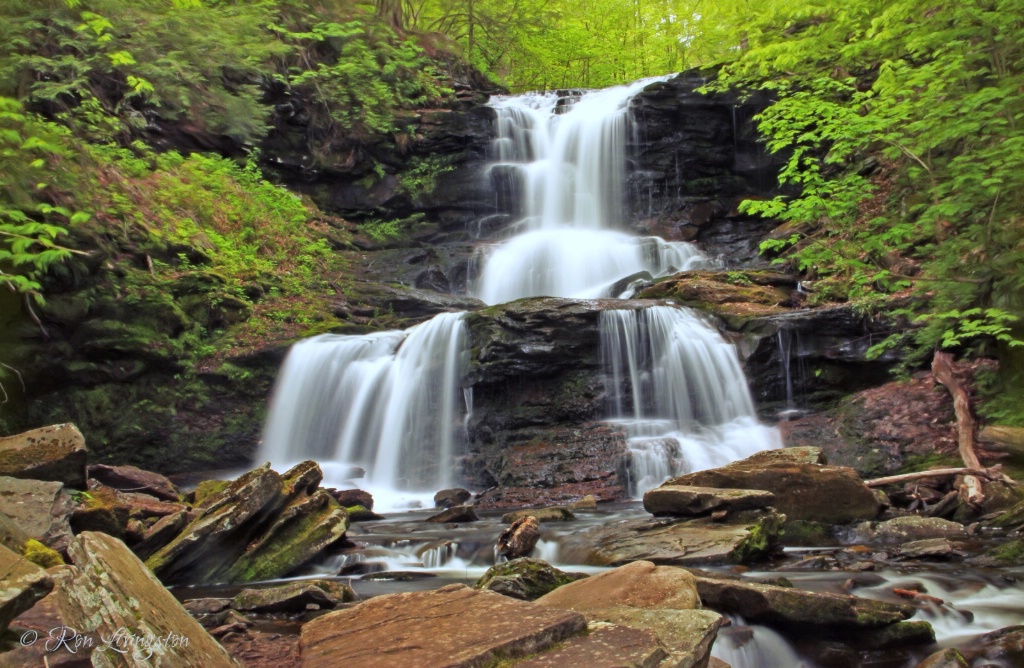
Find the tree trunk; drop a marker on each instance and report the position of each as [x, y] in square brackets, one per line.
[391, 12]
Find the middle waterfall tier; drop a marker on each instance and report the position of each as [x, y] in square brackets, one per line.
[389, 402]
[677, 388]
[566, 166]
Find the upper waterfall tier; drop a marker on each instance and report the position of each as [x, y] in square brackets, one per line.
[390, 402]
[565, 159]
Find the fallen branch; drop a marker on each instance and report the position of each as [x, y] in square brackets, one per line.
[942, 368]
[994, 473]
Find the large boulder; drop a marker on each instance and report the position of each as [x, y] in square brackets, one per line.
[450, 626]
[40, 509]
[524, 578]
[681, 501]
[261, 526]
[56, 453]
[110, 592]
[789, 606]
[23, 583]
[134, 479]
[748, 537]
[803, 490]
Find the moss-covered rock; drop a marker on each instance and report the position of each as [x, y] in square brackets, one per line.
[525, 578]
[56, 452]
[294, 597]
[40, 555]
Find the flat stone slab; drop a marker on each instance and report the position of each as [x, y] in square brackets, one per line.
[451, 627]
[687, 635]
[681, 543]
[22, 583]
[684, 501]
[640, 584]
[768, 604]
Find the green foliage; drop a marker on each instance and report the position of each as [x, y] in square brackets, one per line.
[29, 225]
[421, 176]
[904, 175]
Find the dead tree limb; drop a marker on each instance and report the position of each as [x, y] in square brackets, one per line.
[942, 368]
[994, 473]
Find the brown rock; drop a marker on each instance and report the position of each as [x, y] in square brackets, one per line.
[945, 658]
[519, 539]
[22, 583]
[455, 514]
[55, 453]
[110, 592]
[687, 635]
[907, 529]
[454, 626]
[161, 533]
[11, 535]
[605, 646]
[640, 584]
[696, 501]
[524, 578]
[353, 497]
[803, 491]
[134, 479]
[456, 496]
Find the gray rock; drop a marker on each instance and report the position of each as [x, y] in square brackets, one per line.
[294, 597]
[56, 452]
[683, 501]
[933, 548]
[908, 529]
[454, 514]
[447, 498]
[40, 509]
[747, 538]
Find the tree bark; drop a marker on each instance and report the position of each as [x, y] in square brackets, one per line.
[391, 12]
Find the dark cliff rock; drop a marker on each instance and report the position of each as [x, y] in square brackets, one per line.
[538, 396]
[695, 157]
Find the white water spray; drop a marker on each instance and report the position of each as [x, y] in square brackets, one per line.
[389, 402]
[569, 169]
[678, 389]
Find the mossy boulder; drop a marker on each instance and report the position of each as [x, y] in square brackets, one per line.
[263, 525]
[525, 578]
[734, 295]
[40, 555]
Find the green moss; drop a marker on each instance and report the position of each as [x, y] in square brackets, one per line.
[761, 541]
[1010, 554]
[40, 555]
[208, 488]
[803, 533]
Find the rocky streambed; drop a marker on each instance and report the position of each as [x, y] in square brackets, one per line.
[776, 560]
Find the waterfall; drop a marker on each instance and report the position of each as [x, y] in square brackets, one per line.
[677, 387]
[389, 402]
[565, 166]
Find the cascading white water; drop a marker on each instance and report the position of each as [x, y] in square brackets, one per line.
[569, 169]
[388, 402]
[678, 389]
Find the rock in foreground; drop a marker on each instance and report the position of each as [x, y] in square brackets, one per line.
[22, 583]
[451, 626]
[110, 592]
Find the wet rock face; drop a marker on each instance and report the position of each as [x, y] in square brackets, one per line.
[695, 157]
[538, 398]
